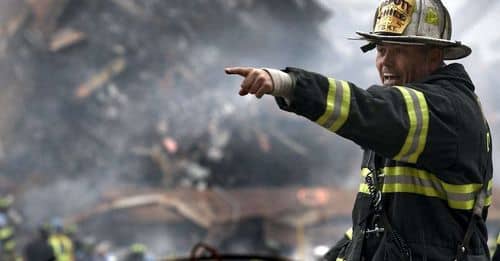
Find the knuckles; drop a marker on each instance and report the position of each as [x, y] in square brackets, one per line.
[261, 84]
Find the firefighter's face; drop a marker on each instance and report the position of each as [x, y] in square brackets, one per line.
[400, 64]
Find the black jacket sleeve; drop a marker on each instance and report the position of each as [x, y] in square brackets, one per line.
[412, 123]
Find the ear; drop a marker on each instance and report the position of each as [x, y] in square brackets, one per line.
[436, 58]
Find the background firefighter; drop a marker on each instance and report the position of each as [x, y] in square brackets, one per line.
[61, 244]
[39, 249]
[9, 219]
[427, 169]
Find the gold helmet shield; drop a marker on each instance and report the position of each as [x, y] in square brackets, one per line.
[393, 16]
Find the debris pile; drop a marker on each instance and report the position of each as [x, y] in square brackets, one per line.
[127, 95]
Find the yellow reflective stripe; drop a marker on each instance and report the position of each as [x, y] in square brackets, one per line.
[488, 200]
[345, 107]
[9, 245]
[428, 192]
[422, 140]
[413, 123]
[422, 174]
[410, 188]
[463, 205]
[339, 259]
[418, 115]
[488, 141]
[62, 246]
[337, 105]
[498, 239]
[329, 103]
[348, 233]
[411, 180]
[54, 243]
[364, 172]
[489, 193]
[6, 232]
[363, 188]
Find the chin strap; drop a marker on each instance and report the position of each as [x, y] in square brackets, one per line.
[368, 47]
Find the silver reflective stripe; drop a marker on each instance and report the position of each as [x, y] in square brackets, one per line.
[432, 184]
[337, 104]
[418, 130]
[401, 179]
[418, 119]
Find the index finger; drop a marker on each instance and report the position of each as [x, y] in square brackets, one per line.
[243, 71]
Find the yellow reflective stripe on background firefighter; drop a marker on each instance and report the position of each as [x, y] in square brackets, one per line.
[338, 105]
[9, 245]
[418, 115]
[416, 181]
[62, 247]
[6, 232]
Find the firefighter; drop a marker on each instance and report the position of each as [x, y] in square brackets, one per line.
[8, 220]
[80, 247]
[61, 244]
[426, 173]
[39, 249]
[138, 252]
[496, 254]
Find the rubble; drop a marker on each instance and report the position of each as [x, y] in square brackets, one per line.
[131, 96]
[217, 211]
[141, 111]
[114, 68]
[65, 38]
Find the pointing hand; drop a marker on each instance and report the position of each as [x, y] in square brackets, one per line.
[257, 81]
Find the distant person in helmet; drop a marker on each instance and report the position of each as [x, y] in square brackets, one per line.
[9, 219]
[138, 252]
[61, 244]
[496, 254]
[39, 248]
[426, 174]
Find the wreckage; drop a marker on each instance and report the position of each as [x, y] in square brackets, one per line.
[115, 118]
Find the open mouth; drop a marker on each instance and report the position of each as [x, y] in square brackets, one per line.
[391, 78]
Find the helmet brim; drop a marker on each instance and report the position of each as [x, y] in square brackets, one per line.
[453, 50]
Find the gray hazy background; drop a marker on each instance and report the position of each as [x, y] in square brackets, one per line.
[60, 154]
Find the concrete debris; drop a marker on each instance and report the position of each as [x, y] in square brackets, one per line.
[131, 8]
[99, 79]
[210, 208]
[264, 143]
[13, 14]
[65, 38]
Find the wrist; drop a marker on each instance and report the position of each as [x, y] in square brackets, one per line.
[282, 83]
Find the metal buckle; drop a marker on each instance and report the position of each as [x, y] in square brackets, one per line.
[376, 229]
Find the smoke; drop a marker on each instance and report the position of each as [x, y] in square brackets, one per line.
[66, 153]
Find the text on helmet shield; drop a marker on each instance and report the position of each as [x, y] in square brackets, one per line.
[393, 16]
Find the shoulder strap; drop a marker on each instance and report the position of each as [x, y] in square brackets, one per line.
[479, 203]
[404, 249]
[476, 214]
